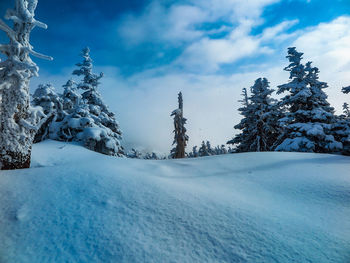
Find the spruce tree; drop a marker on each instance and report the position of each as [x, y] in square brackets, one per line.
[18, 121]
[341, 128]
[105, 135]
[180, 137]
[242, 140]
[265, 113]
[203, 150]
[259, 128]
[307, 124]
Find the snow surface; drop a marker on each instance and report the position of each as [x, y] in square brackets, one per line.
[75, 205]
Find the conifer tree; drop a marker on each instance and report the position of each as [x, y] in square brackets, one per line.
[242, 140]
[180, 137]
[259, 128]
[203, 150]
[18, 121]
[264, 129]
[341, 128]
[105, 135]
[309, 118]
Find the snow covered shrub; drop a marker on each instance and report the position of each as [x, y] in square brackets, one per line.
[46, 97]
[309, 119]
[18, 121]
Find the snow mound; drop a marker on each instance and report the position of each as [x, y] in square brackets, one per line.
[75, 205]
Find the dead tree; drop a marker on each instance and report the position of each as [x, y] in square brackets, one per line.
[180, 137]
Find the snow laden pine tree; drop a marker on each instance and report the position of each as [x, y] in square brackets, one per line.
[307, 124]
[341, 128]
[103, 134]
[264, 112]
[180, 137]
[18, 121]
[259, 128]
[243, 140]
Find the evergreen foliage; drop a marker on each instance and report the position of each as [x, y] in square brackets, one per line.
[309, 118]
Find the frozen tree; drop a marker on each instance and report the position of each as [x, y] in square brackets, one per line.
[104, 135]
[18, 121]
[242, 140]
[134, 154]
[46, 97]
[259, 129]
[193, 153]
[220, 150]
[309, 118]
[341, 128]
[180, 137]
[265, 113]
[203, 150]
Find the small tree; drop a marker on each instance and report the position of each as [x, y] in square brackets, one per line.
[203, 150]
[18, 121]
[180, 137]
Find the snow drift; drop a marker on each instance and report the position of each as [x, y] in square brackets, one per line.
[75, 205]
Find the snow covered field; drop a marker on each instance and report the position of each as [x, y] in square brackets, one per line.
[75, 205]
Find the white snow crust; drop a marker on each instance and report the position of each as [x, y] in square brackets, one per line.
[75, 205]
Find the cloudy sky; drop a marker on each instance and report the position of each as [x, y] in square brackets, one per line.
[208, 49]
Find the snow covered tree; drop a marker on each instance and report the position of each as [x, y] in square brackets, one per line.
[180, 137]
[46, 97]
[341, 128]
[18, 121]
[194, 152]
[259, 129]
[265, 113]
[203, 150]
[309, 118]
[105, 135]
[242, 140]
[134, 154]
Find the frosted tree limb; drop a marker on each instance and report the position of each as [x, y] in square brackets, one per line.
[40, 24]
[4, 27]
[38, 55]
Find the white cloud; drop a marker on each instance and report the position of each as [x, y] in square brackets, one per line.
[328, 47]
[144, 101]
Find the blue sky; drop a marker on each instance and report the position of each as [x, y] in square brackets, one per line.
[209, 49]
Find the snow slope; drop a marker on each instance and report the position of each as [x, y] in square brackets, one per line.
[76, 205]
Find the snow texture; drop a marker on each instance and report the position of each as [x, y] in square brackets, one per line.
[249, 207]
